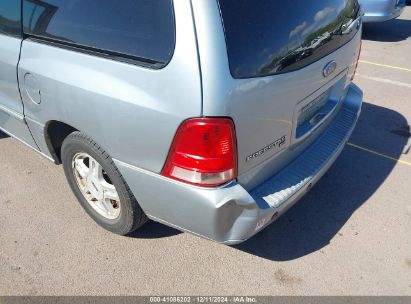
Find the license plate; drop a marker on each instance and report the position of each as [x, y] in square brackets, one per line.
[311, 109]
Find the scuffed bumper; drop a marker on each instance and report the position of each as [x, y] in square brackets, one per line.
[230, 214]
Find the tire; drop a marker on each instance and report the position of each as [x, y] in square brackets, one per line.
[126, 215]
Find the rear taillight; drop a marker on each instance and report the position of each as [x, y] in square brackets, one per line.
[356, 65]
[203, 153]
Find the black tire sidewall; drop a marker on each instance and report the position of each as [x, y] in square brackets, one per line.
[131, 215]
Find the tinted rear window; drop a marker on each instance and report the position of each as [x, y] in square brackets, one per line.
[142, 29]
[266, 37]
[10, 17]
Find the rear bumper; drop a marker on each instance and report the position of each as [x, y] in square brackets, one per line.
[382, 10]
[230, 214]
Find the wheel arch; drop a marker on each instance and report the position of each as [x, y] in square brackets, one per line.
[55, 133]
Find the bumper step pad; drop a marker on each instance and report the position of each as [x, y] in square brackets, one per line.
[288, 182]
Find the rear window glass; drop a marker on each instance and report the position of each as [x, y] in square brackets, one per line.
[141, 29]
[10, 17]
[267, 37]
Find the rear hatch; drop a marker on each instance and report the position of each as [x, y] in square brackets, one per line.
[290, 63]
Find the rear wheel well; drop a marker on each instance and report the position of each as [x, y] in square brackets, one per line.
[56, 132]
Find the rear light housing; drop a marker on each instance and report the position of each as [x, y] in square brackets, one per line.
[358, 60]
[203, 153]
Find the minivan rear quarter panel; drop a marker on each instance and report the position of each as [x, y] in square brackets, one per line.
[132, 111]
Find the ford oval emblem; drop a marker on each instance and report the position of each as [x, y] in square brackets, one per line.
[329, 68]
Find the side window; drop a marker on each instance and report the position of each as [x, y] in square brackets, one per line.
[10, 18]
[136, 29]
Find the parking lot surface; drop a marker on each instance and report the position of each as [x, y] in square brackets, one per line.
[349, 236]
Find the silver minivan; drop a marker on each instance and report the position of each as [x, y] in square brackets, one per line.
[210, 116]
[381, 10]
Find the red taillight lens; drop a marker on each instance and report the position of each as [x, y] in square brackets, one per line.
[356, 65]
[204, 152]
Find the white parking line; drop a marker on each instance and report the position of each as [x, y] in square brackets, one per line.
[388, 81]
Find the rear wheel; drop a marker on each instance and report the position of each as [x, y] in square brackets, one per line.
[99, 186]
